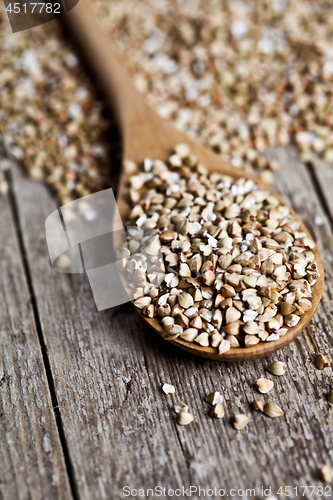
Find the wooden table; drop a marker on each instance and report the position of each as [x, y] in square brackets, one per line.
[82, 414]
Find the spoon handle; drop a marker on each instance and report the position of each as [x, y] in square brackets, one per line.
[143, 132]
[111, 74]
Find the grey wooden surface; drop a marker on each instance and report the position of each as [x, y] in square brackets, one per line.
[32, 464]
[113, 427]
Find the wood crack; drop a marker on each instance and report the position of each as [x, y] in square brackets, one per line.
[128, 388]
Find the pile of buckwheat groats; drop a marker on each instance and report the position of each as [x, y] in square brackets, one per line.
[241, 76]
[236, 269]
[51, 119]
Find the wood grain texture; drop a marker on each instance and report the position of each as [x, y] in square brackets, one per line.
[323, 177]
[31, 459]
[145, 134]
[108, 369]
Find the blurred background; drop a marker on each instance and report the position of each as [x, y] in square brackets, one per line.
[241, 76]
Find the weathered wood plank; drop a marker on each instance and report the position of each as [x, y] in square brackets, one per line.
[31, 456]
[108, 370]
[323, 173]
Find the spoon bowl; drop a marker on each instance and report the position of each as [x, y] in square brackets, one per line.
[145, 134]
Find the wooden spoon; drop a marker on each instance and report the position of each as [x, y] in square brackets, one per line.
[145, 134]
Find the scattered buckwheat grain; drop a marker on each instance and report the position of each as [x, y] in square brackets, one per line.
[168, 389]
